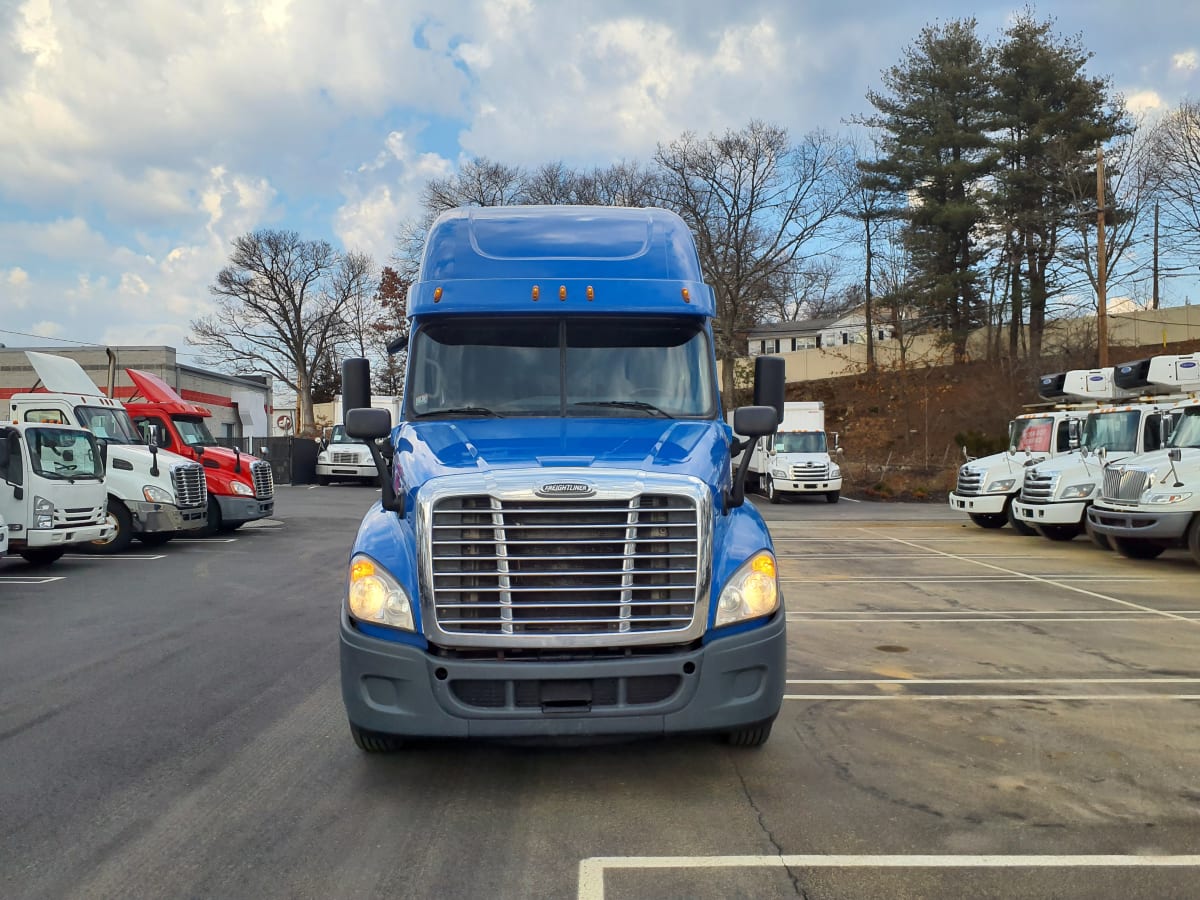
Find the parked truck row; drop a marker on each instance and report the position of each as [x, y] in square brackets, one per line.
[78, 470]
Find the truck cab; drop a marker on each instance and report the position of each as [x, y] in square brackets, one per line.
[560, 548]
[241, 487]
[796, 459]
[52, 490]
[152, 494]
[344, 457]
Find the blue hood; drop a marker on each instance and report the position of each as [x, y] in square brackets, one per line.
[429, 449]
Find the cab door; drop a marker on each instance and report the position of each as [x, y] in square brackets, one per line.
[14, 501]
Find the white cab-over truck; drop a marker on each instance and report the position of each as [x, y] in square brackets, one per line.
[796, 459]
[1150, 502]
[152, 494]
[345, 458]
[52, 492]
[1056, 493]
[988, 486]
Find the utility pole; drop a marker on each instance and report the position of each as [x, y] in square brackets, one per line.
[1154, 304]
[1102, 263]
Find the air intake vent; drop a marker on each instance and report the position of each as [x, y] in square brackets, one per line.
[1132, 375]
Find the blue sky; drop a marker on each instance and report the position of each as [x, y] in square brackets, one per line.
[139, 138]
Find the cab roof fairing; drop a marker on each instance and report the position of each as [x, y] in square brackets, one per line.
[489, 259]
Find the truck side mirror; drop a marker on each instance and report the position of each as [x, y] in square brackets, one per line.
[1074, 431]
[1174, 454]
[368, 425]
[770, 383]
[754, 422]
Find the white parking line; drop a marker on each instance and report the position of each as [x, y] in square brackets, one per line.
[1156, 620]
[972, 579]
[123, 557]
[1169, 680]
[19, 579]
[992, 697]
[591, 871]
[990, 612]
[203, 540]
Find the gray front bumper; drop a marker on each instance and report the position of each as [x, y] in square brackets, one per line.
[244, 509]
[156, 517]
[401, 689]
[1158, 525]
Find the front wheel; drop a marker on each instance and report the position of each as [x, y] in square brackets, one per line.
[987, 520]
[1132, 548]
[1060, 532]
[1194, 540]
[751, 735]
[1020, 526]
[213, 525]
[155, 538]
[832, 496]
[42, 556]
[772, 494]
[119, 518]
[374, 741]
[1100, 540]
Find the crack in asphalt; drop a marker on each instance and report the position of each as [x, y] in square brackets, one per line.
[762, 824]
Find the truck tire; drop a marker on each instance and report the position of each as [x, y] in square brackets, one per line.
[1060, 532]
[42, 556]
[1100, 540]
[322, 480]
[154, 538]
[750, 736]
[988, 520]
[213, 525]
[119, 517]
[1132, 548]
[833, 496]
[769, 487]
[374, 741]
[1194, 539]
[1020, 526]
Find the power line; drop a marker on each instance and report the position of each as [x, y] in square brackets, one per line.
[43, 337]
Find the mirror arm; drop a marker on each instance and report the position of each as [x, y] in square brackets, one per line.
[736, 495]
[388, 498]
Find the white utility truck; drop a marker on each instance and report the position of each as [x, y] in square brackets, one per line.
[988, 486]
[1057, 493]
[52, 491]
[1150, 502]
[795, 459]
[345, 458]
[152, 494]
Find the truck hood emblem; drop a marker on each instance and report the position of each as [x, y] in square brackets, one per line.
[566, 489]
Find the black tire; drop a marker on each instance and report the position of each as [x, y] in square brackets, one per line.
[119, 517]
[42, 556]
[322, 480]
[750, 736]
[229, 527]
[769, 489]
[1193, 541]
[1020, 526]
[374, 741]
[988, 520]
[1100, 540]
[155, 538]
[1060, 532]
[1132, 548]
[833, 496]
[213, 525]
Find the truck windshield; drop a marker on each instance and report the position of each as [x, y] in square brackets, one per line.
[800, 442]
[1031, 434]
[64, 454]
[339, 436]
[1187, 428]
[112, 426]
[193, 431]
[1114, 431]
[562, 366]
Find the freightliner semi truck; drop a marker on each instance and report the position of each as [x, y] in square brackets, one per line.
[241, 487]
[560, 548]
[152, 494]
[1057, 493]
[988, 486]
[1150, 502]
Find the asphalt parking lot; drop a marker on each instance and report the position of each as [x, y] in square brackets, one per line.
[969, 713]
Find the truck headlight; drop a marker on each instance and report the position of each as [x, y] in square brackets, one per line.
[1168, 498]
[753, 591]
[1001, 484]
[778, 473]
[155, 494]
[43, 513]
[1078, 492]
[240, 487]
[323, 458]
[834, 471]
[375, 596]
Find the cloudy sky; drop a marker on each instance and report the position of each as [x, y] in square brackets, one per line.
[139, 137]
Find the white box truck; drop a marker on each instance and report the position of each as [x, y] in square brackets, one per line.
[796, 458]
[342, 457]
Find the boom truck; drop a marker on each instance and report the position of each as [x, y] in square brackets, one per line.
[1150, 502]
[796, 460]
[52, 492]
[151, 494]
[1056, 493]
[241, 487]
[560, 547]
[988, 486]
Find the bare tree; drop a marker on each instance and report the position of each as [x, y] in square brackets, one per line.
[480, 182]
[755, 202]
[280, 307]
[1176, 147]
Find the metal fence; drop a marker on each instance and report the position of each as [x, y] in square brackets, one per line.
[293, 460]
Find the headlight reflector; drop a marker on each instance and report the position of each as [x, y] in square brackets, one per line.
[1168, 498]
[753, 591]
[43, 513]
[240, 487]
[1002, 484]
[778, 473]
[155, 494]
[1078, 491]
[375, 596]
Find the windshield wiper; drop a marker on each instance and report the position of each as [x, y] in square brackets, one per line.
[460, 411]
[625, 404]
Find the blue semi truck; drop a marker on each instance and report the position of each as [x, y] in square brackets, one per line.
[561, 547]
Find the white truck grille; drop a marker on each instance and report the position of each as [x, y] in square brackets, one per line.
[970, 482]
[190, 489]
[1125, 484]
[343, 459]
[810, 472]
[1037, 488]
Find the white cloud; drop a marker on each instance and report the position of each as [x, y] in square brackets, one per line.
[1189, 61]
[1142, 102]
[17, 277]
[47, 329]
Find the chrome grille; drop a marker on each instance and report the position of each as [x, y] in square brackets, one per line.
[264, 479]
[188, 481]
[1125, 484]
[1038, 488]
[552, 568]
[343, 459]
[810, 472]
[970, 481]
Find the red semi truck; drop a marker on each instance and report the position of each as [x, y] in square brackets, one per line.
[241, 488]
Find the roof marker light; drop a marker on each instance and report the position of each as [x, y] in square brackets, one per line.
[562, 292]
[591, 293]
[437, 295]
[536, 292]
[687, 296]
